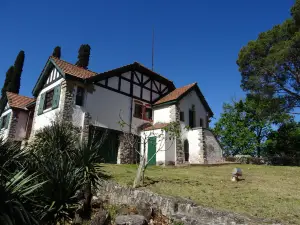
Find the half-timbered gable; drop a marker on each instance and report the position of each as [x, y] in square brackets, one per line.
[135, 81]
[53, 90]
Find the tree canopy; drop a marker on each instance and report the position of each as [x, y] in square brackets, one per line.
[244, 125]
[270, 65]
[57, 52]
[84, 56]
[285, 141]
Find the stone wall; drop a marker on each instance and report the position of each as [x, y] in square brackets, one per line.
[12, 125]
[175, 117]
[67, 100]
[127, 148]
[214, 152]
[203, 149]
[178, 209]
[85, 127]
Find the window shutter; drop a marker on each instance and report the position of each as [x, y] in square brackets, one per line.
[41, 105]
[56, 97]
[7, 120]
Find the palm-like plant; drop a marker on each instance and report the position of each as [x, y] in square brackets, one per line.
[53, 152]
[15, 199]
[69, 166]
[17, 188]
[88, 157]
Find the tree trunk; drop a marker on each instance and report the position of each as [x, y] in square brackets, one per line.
[87, 208]
[139, 173]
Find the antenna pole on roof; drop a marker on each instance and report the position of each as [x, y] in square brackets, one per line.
[153, 49]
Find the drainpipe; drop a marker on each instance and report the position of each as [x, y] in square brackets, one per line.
[130, 118]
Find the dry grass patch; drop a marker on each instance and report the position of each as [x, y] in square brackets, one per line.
[267, 191]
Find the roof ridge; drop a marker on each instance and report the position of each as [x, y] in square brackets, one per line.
[192, 84]
[72, 64]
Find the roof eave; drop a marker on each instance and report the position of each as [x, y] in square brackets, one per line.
[165, 103]
[38, 84]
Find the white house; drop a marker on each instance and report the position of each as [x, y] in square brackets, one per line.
[16, 118]
[132, 93]
[196, 144]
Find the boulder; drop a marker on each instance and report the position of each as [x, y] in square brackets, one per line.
[145, 209]
[101, 218]
[131, 220]
[96, 202]
[127, 210]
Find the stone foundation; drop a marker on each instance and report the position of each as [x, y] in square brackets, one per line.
[127, 149]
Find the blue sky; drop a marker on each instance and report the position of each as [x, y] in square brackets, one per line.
[195, 41]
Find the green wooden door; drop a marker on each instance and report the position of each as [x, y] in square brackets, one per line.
[152, 150]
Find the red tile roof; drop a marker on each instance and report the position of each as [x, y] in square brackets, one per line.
[18, 101]
[156, 126]
[73, 70]
[175, 94]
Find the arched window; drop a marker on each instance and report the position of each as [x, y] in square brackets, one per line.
[186, 150]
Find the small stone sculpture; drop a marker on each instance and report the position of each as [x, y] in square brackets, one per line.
[236, 173]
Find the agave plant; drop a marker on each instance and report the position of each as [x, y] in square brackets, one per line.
[69, 166]
[88, 157]
[17, 186]
[15, 194]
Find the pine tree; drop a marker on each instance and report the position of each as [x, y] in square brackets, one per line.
[14, 85]
[83, 56]
[57, 52]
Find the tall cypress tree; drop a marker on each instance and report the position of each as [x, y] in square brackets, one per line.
[84, 56]
[14, 85]
[57, 52]
[8, 79]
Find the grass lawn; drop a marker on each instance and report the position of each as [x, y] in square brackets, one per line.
[267, 191]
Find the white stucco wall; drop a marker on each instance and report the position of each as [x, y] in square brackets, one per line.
[170, 149]
[194, 147]
[106, 107]
[162, 114]
[21, 125]
[49, 115]
[185, 104]
[160, 144]
[4, 132]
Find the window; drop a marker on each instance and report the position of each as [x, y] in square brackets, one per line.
[191, 118]
[79, 96]
[148, 114]
[48, 99]
[181, 116]
[142, 111]
[201, 122]
[4, 121]
[138, 110]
